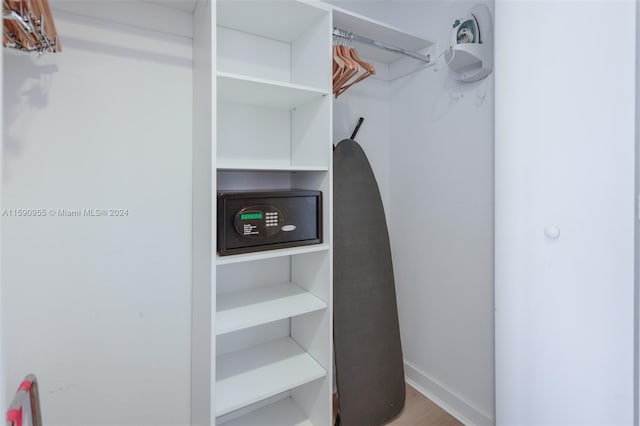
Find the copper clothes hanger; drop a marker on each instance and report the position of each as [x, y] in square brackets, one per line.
[353, 69]
[369, 71]
[29, 26]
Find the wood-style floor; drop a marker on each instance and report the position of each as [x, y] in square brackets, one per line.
[419, 411]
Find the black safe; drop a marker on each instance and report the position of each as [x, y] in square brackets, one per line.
[250, 221]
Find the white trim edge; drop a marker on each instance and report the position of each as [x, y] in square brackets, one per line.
[447, 400]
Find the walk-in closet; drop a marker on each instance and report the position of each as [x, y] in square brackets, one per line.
[155, 151]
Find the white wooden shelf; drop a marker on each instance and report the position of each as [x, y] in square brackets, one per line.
[247, 90]
[243, 309]
[282, 21]
[282, 413]
[250, 257]
[379, 31]
[250, 375]
[231, 164]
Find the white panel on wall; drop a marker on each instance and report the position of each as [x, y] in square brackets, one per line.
[243, 339]
[238, 277]
[247, 131]
[248, 54]
[99, 307]
[565, 157]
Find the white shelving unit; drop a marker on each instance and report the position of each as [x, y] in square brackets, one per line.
[244, 309]
[263, 166]
[250, 257]
[251, 375]
[284, 412]
[285, 21]
[241, 89]
[272, 329]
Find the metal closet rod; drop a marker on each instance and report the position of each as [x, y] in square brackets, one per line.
[338, 32]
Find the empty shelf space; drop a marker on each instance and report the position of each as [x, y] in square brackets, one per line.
[246, 90]
[251, 375]
[282, 413]
[249, 257]
[244, 309]
[282, 20]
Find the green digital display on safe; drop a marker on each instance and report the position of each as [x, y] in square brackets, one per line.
[251, 216]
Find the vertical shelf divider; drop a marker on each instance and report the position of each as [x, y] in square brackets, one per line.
[203, 285]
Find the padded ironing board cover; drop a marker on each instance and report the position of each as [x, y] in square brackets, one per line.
[368, 352]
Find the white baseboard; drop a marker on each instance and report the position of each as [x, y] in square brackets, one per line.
[450, 402]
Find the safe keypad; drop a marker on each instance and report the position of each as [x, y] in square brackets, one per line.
[271, 219]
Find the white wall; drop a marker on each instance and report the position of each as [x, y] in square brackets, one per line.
[434, 165]
[99, 307]
[565, 113]
[369, 99]
[441, 182]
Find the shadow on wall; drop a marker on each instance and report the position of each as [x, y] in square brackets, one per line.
[132, 47]
[449, 90]
[26, 87]
[125, 52]
[453, 91]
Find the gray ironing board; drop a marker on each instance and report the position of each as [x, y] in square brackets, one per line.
[368, 353]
